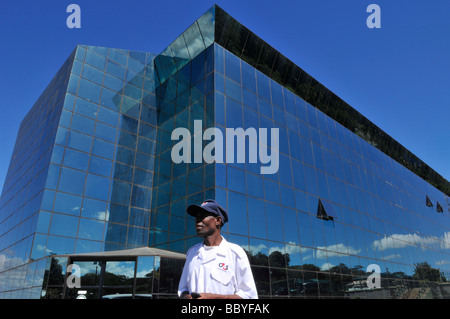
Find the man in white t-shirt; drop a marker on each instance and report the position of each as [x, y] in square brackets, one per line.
[215, 268]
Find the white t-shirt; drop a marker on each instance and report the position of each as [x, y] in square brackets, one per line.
[222, 269]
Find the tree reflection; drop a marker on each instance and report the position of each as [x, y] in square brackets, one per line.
[274, 276]
[423, 271]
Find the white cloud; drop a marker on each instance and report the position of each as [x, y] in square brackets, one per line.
[8, 263]
[442, 262]
[446, 241]
[326, 266]
[16, 277]
[261, 248]
[394, 256]
[335, 250]
[291, 248]
[401, 241]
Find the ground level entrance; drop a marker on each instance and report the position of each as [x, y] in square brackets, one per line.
[129, 274]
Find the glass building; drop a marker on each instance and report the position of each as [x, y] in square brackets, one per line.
[92, 180]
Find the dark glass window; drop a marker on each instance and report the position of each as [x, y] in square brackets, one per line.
[325, 210]
[428, 202]
[439, 208]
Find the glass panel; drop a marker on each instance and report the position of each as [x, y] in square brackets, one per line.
[108, 116]
[103, 148]
[58, 245]
[257, 218]
[169, 275]
[110, 99]
[76, 159]
[274, 222]
[198, 68]
[117, 56]
[79, 141]
[67, 204]
[259, 252]
[91, 229]
[95, 60]
[106, 132]
[263, 85]
[290, 226]
[90, 272]
[97, 187]
[58, 153]
[57, 271]
[121, 192]
[206, 25]
[145, 274]
[237, 209]
[73, 84]
[194, 40]
[53, 175]
[235, 179]
[113, 83]
[100, 166]
[137, 237]
[93, 208]
[279, 282]
[71, 181]
[248, 77]
[93, 74]
[64, 225]
[119, 273]
[272, 191]
[86, 108]
[89, 90]
[43, 222]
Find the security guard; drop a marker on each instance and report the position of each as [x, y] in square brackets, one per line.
[215, 268]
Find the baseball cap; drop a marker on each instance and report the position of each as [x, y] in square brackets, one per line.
[209, 206]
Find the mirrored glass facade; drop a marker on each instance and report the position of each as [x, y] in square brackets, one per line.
[93, 170]
[377, 206]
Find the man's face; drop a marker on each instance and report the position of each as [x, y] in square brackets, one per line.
[206, 224]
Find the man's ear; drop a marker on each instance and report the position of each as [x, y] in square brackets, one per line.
[219, 222]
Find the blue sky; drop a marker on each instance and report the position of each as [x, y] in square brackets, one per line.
[397, 76]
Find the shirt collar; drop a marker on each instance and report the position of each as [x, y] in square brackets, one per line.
[221, 250]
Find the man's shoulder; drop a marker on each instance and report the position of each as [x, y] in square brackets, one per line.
[238, 250]
[194, 249]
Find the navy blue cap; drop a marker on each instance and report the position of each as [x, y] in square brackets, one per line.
[210, 206]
